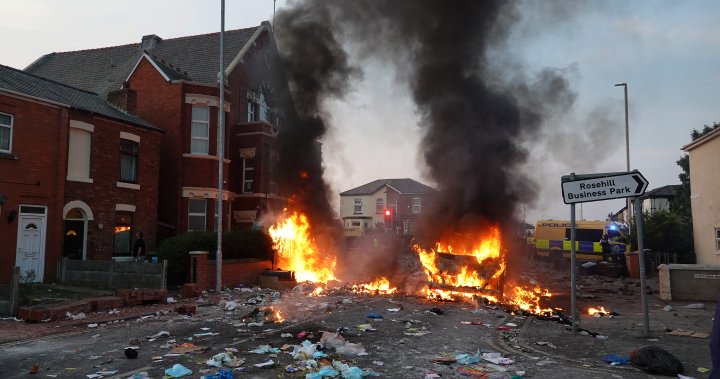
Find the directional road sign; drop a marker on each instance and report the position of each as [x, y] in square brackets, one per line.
[595, 187]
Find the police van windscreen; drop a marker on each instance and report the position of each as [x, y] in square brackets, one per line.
[593, 235]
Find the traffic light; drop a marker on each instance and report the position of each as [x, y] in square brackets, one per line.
[388, 217]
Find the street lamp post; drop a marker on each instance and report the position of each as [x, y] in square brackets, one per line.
[627, 142]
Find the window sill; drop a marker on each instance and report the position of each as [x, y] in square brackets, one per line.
[204, 156]
[128, 185]
[78, 179]
[8, 156]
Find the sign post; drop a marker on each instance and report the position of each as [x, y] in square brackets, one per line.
[605, 186]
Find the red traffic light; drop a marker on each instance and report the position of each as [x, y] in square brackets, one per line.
[387, 212]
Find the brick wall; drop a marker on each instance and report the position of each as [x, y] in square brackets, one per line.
[103, 194]
[234, 271]
[33, 174]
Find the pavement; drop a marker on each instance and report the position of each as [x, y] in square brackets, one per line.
[416, 338]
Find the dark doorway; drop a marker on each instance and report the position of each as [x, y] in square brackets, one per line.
[74, 239]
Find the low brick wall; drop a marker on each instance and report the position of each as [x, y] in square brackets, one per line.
[689, 282]
[111, 274]
[234, 271]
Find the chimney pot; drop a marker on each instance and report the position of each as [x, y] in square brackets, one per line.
[149, 41]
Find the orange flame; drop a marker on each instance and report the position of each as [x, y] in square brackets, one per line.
[379, 287]
[297, 251]
[593, 311]
[529, 299]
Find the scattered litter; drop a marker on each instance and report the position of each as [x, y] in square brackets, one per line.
[341, 346]
[131, 353]
[601, 337]
[347, 301]
[654, 360]
[393, 309]
[366, 328]
[206, 334]
[544, 343]
[588, 264]
[496, 358]
[512, 325]
[436, 311]
[695, 306]
[615, 360]
[171, 300]
[467, 359]
[681, 376]
[431, 375]
[113, 311]
[140, 375]
[688, 333]
[265, 364]
[325, 371]
[668, 308]
[265, 349]
[286, 335]
[379, 363]
[416, 332]
[78, 316]
[92, 326]
[159, 334]
[703, 369]
[222, 374]
[177, 371]
[187, 347]
[472, 372]
[374, 315]
[231, 306]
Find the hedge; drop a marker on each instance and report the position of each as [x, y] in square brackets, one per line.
[236, 245]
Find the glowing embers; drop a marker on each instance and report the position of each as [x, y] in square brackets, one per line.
[297, 251]
[453, 271]
[378, 287]
[599, 312]
[528, 299]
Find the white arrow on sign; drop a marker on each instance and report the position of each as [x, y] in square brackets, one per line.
[596, 187]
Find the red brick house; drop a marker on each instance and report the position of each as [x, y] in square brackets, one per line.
[363, 207]
[174, 84]
[78, 176]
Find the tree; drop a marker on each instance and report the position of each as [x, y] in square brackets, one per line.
[681, 204]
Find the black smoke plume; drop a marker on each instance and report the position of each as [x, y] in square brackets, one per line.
[473, 116]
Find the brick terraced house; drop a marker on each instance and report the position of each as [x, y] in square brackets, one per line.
[173, 84]
[78, 176]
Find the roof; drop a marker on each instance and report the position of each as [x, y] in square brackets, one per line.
[706, 138]
[402, 186]
[20, 82]
[664, 191]
[192, 58]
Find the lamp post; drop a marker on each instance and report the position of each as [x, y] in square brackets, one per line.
[220, 152]
[627, 143]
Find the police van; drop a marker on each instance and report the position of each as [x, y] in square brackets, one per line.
[552, 238]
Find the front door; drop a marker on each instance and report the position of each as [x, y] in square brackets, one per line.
[31, 246]
[74, 240]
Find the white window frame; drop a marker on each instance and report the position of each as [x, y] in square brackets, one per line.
[416, 208]
[357, 206]
[200, 138]
[247, 168]
[203, 215]
[379, 205]
[10, 137]
[135, 156]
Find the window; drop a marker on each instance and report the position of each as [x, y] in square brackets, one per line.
[393, 205]
[717, 241]
[379, 205]
[197, 214]
[357, 207]
[123, 235]
[79, 148]
[416, 205]
[129, 160]
[248, 175]
[200, 140]
[6, 126]
[258, 108]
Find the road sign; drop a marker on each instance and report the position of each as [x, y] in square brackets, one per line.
[595, 187]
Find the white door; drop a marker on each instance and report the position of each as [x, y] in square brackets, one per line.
[31, 247]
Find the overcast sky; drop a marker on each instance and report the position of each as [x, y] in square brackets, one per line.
[667, 51]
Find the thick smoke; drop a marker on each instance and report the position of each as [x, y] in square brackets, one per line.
[473, 117]
[317, 67]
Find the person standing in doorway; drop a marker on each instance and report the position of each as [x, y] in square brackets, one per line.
[139, 248]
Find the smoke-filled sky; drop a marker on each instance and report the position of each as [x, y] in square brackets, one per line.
[667, 51]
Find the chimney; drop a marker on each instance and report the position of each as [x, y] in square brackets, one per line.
[124, 98]
[149, 41]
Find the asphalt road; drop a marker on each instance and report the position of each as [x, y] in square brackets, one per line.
[403, 344]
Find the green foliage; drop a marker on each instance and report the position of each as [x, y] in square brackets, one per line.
[667, 232]
[236, 245]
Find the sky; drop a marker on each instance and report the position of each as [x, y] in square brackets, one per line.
[668, 53]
